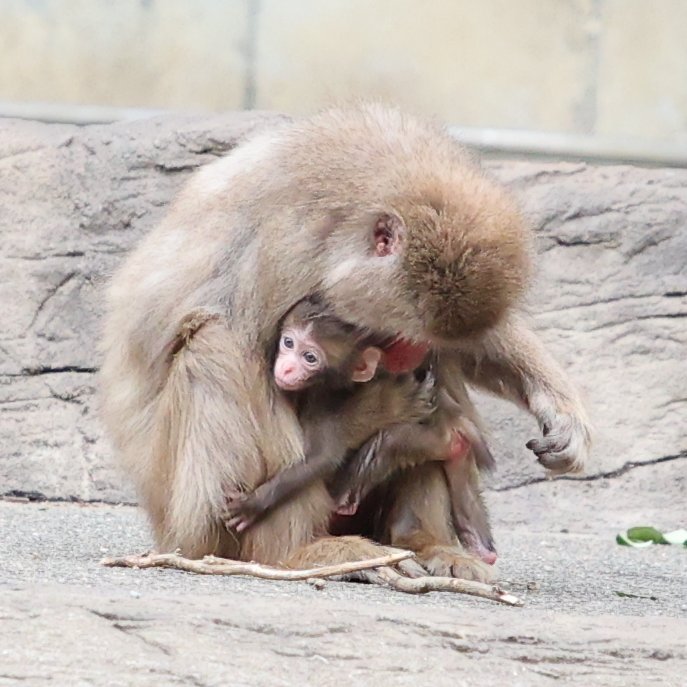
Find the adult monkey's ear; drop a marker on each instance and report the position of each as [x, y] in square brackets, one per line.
[389, 234]
[366, 367]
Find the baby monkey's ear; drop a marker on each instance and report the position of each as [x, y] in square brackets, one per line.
[366, 366]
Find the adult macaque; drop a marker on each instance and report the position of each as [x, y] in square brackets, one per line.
[384, 216]
[328, 365]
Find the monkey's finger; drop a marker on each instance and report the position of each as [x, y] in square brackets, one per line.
[551, 444]
[470, 569]
[411, 568]
[233, 495]
[236, 522]
[554, 456]
[564, 449]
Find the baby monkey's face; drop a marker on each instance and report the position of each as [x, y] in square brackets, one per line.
[300, 359]
[307, 356]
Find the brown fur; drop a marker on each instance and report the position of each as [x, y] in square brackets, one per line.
[406, 445]
[289, 213]
[335, 420]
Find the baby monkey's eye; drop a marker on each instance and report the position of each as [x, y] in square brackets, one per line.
[287, 342]
[310, 358]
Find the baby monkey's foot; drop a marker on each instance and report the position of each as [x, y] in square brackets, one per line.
[348, 504]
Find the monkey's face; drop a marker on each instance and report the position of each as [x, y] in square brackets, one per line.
[321, 350]
[300, 360]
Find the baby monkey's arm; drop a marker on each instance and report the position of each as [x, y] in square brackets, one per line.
[331, 429]
[324, 452]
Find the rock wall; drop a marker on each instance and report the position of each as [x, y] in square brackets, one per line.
[610, 298]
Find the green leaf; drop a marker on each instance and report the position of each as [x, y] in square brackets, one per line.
[624, 541]
[639, 537]
[646, 534]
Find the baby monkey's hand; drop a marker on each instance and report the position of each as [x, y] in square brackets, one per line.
[241, 510]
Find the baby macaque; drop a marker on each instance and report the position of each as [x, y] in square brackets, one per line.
[325, 363]
[318, 349]
[402, 419]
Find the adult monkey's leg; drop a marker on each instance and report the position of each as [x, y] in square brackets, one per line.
[416, 515]
[221, 435]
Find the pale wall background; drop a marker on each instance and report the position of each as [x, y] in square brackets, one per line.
[602, 67]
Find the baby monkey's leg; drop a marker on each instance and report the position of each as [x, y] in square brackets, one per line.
[398, 447]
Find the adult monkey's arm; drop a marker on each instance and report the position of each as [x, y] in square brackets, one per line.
[513, 363]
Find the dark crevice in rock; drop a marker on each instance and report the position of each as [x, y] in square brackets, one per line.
[115, 617]
[618, 472]
[175, 169]
[47, 256]
[39, 497]
[50, 370]
[131, 630]
[614, 299]
[569, 243]
[637, 318]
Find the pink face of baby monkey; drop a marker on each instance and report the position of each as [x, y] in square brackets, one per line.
[302, 359]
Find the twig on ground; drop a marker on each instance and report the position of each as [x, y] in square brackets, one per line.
[422, 585]
[374, 570]
[211, 565]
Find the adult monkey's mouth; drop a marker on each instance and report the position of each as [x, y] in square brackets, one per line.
[402, 355]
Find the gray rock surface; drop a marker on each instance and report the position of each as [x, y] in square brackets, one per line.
[610, 297]
[611, 302]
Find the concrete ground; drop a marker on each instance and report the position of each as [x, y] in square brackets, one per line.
[68, 620]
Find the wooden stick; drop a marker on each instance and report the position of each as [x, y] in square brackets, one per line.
[423, 585]
[211, 565]
[373, 570]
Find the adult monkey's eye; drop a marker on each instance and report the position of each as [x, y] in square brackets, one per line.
[310, 358]
[287, 342]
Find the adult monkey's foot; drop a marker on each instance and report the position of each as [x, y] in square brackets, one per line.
[334, 550]
[453, 561]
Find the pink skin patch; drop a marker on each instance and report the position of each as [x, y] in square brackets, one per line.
[404, 356]
[473, 544]
[489, 557]
[347, 509]
[482, 552]
[458, 446]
